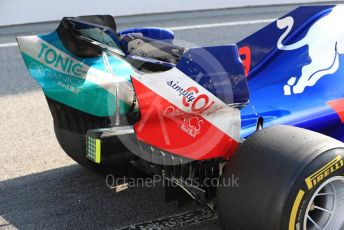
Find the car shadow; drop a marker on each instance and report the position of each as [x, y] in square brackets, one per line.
[73, 198]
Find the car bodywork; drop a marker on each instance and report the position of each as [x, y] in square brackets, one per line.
[292, 66]
[307, 46]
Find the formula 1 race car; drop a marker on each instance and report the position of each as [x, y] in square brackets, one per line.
[268, 111]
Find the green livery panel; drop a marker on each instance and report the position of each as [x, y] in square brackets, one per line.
[85, 84]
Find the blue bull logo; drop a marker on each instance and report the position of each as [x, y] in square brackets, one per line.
[325, 41]
[296, 71]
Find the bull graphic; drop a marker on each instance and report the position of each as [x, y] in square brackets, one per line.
[325, 40]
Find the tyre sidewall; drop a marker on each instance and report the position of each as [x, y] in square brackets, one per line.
[327, 165]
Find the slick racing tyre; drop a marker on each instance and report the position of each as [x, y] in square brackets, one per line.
[70, 129]
[288, 178]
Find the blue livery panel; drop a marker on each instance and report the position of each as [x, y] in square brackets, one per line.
[296, 70]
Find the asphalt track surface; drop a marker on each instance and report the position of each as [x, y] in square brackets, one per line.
[42, 188]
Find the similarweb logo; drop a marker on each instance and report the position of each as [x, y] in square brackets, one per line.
[63, 62]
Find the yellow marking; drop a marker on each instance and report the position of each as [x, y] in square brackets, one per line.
[98, 148]
[324, 172]
[295, 209]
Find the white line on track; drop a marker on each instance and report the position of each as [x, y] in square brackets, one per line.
[222, 24]
[190, 27]
[4, 45]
